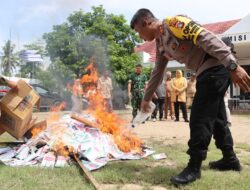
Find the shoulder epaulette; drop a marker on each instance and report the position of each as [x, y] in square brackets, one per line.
[184, 28]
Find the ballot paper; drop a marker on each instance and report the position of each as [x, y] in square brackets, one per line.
[159, 156]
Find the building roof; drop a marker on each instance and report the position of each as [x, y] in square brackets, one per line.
[148, 47]
[220, 27]
[217, 28]
[242, 26]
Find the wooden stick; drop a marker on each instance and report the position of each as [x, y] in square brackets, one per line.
[12, 143]
[87, 173]
[83, 120]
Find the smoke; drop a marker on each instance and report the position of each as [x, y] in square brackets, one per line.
[96, 47]
[93, 46]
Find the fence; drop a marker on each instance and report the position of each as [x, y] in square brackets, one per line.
[238, 105]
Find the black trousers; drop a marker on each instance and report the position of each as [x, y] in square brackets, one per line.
[159, 107]
[154, 114]
[208, 114]
[183, 109]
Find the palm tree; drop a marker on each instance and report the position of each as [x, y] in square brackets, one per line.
[9, 59]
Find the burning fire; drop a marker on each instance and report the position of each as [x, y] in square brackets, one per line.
[108, 122]
[53, 117]
[57, 130]
[89, 80]
[37, 129]
[54, 112]
[60, 148]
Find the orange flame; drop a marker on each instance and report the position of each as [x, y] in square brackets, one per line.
[54, 115]
[92, 76]
[108, 122]
[60, 148]
[41, 126]
[57, 130]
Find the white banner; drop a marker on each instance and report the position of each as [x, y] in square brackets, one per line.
[238, 37]
[31, 56]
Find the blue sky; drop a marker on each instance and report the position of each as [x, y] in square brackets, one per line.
[26, 20]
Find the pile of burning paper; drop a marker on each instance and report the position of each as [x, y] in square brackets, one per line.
[92, 138]
[53, 146]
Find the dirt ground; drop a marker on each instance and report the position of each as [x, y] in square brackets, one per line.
[178, 132]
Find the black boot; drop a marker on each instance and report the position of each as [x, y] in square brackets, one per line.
[228, 162]
[189, 174]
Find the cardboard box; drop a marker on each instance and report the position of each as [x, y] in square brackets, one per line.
[16, 109]
[1, 131]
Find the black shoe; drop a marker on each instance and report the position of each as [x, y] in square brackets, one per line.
[176, 120]
[225, 164]
[186, 120]
[188, 175]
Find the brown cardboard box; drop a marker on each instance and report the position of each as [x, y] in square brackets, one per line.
[1, 131]
[16, 109]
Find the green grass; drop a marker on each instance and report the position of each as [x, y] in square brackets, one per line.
[146, 172]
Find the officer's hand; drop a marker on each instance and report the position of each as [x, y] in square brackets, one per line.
[241, 78]
[12, 84]
[145, 106]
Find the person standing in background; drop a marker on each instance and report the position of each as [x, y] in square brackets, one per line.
[136, 85]
[168, 104]
[191, 90]
[77, 93]
[155, 101]
[161, 94]
[104, 85]
[179, 86]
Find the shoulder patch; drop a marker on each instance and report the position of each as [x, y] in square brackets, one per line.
[184, 28]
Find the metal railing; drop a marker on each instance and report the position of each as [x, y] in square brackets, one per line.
[236, 104]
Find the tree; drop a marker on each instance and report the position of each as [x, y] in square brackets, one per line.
[9, 59]
[97, 34]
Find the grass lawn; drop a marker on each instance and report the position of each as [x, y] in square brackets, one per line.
[147, 173]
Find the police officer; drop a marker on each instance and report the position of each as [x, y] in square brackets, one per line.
[136, 86]
[184, 40]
